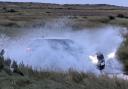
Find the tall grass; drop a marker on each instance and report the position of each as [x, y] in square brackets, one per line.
[34, 79]
[123, 54]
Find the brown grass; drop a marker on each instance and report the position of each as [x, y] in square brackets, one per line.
[24, 14]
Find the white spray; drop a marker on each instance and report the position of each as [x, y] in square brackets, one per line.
[58, 47]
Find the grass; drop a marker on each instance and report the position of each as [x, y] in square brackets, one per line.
[54, 80]
[14, 16]
[123, 54]
[120, 22]
[33, 79]
[24, 14]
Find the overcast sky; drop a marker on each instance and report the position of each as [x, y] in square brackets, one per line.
[112, 2]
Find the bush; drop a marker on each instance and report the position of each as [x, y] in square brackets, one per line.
[123, 54]
[69, 8]
[4, 8]
[11, 10]
[120, 16]
[48, 12]
[85, 17]
[111, 17]
[11, 24]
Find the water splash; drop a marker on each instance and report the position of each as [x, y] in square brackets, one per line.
[60, 48]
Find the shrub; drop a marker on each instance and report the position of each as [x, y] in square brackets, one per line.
[11, 24]
[4, 8]
[48, 12]
[85, 17]
[69, 8]
[11, 10]
[123, 54]
[120, 16]
[111, 17]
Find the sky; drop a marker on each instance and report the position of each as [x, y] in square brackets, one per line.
[112, 2]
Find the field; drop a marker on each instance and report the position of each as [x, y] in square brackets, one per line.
[33, 14]
[15, 16]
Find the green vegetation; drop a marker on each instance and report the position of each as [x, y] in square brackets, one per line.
[123, 54]
[52, 80]
[14, 16]
[33, 79]
[18, 15]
